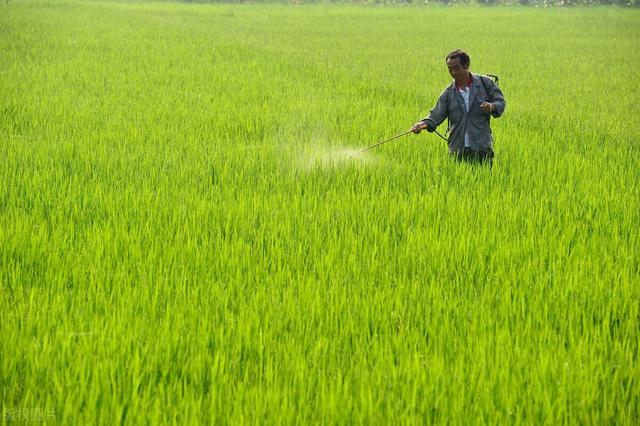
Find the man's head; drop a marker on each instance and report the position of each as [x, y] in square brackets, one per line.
[458, 63]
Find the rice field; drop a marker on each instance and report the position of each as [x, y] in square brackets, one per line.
[188, 234]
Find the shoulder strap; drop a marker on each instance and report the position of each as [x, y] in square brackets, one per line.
[489, 76]
[482, 77]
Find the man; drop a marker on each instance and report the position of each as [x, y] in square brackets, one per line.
[468, 103]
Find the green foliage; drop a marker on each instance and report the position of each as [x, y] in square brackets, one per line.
[535, 3]
[186, 236]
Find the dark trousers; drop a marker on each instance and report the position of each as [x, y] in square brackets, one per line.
[475, 157]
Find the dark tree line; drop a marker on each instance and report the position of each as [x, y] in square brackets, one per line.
[534, 3]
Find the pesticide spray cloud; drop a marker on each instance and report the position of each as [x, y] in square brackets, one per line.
[334, 157]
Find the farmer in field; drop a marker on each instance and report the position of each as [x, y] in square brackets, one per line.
[468, 103]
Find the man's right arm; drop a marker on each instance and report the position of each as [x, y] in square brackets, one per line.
[436, 115]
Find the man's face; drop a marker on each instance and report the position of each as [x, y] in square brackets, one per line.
[456, 70]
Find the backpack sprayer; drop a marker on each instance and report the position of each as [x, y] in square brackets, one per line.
[494, 77]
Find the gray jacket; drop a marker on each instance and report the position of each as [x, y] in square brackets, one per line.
[475, 121]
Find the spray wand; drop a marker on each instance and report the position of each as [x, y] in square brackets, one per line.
[424, 126]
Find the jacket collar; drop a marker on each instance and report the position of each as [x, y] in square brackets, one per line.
[476, 86]
[475, 82]
[469, 82]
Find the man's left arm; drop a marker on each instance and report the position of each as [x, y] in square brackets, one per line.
[497, 99]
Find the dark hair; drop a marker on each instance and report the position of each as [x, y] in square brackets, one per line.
[464, 58]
